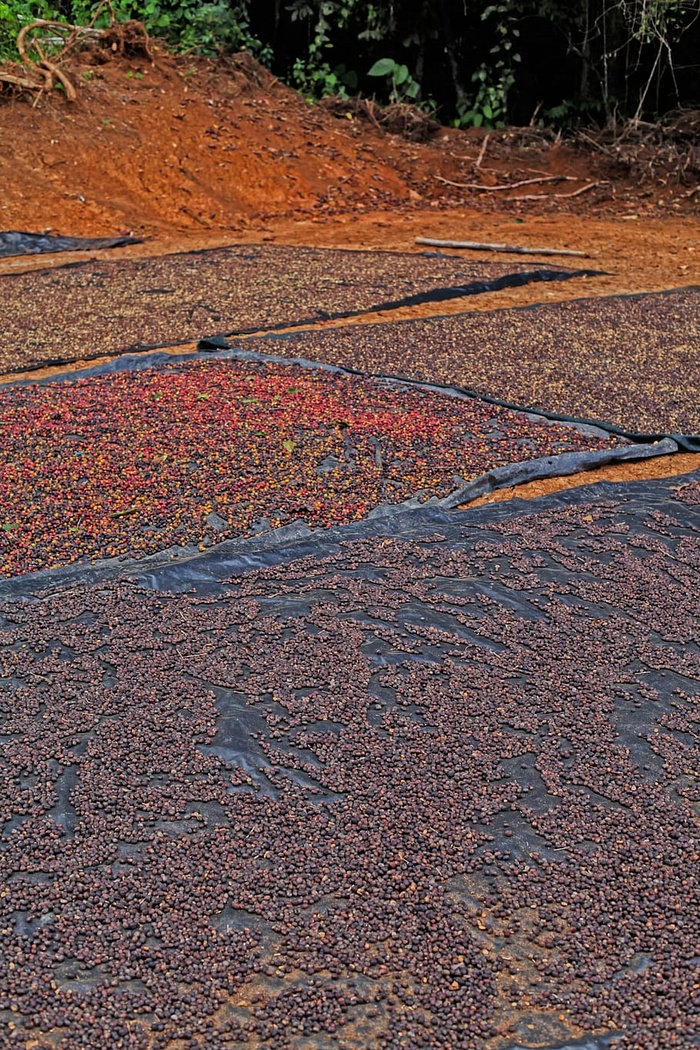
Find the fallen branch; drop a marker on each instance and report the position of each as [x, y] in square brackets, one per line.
[552, 196]
[509, 186]
[10, 78]
[517, 249]
[482, 151]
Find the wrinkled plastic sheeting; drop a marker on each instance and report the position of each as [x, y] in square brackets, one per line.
[637, 499]
[479, 722]
[16, 242]
[186, 568]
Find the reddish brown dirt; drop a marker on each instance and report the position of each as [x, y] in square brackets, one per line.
[193, 153]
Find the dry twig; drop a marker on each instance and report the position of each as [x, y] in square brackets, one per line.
[555, 196]
[510, 186]
[517, 249]
[482, 151]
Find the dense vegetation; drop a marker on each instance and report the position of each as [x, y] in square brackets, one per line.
[476, 63]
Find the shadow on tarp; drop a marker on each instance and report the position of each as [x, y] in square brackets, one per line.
[18, 242]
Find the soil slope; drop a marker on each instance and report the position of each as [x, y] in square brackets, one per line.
[191, 152]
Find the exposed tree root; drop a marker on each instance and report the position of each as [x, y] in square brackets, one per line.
[399, 118]
[41, 73]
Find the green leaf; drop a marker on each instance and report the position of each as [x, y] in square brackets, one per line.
[401, 75]
[382, 68]
[289, 445]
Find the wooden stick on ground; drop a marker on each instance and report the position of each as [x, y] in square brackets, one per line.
[482, 151]
[23, 82]
[508, 186]
[519, 250]
[555, 196]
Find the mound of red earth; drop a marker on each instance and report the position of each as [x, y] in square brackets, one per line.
[201, 145]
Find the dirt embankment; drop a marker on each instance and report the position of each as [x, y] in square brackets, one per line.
[191, 152]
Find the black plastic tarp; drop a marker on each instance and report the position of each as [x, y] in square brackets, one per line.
[422, 786]
[17, 242]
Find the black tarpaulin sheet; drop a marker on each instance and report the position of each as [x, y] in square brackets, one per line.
[427, 787]
[88, 310]
[18, 242]
[630, 363]
[155, 452]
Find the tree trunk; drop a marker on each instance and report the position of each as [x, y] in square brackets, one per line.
[449, 42]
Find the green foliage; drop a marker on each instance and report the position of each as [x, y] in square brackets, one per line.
[488, 106]
[16, 13]
[313, 73]
[82, 12]
[611, 57]
[401, 85]
[492, 81]
[317, 81]
[8, 31]
[655, 19]
[220, 25]
[569, 114]
[208, 27]
[187, 24]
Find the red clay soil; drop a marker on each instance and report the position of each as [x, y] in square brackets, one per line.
[191, 152]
